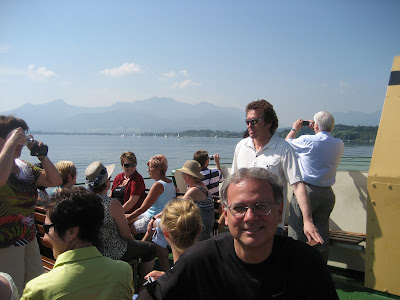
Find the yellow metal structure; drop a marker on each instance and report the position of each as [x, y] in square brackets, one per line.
[382, 264]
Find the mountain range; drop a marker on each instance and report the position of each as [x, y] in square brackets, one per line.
[150, 115]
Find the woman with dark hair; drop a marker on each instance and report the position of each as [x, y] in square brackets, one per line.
[116, 240]
[128, 187]
[72, 226]
[19, 250]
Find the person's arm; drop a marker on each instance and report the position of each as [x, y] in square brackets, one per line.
[155, 274]
[309, 228]
[7, 153]
[117, 213]
[50, 175]
[150, 229]
[216, 158]
[133, 199]
[296, 126]
[156, 190]
[136, 188]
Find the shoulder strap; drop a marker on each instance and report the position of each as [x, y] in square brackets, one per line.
[201, 189]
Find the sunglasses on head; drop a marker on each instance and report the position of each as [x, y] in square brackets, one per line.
[47, 227]
[253, 121]
[129, 165]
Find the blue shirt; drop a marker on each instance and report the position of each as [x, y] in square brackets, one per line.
[168, 194]
[318, 157]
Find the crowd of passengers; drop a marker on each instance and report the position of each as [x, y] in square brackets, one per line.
[96, 231]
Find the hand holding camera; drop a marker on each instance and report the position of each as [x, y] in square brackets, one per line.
[37, 148]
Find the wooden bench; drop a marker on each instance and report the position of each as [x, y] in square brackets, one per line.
[45, 247]
[339, 238]
[346, 239]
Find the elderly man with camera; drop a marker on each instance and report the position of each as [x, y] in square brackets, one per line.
[318, 157]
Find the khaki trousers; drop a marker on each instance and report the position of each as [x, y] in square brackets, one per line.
[322, 200]
[22, 263]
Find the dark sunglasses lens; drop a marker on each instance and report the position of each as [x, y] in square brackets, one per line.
[129, 165]
[47, 227]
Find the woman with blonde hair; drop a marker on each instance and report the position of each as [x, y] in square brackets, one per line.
[160, 193]
[181, 224]
[67, 170]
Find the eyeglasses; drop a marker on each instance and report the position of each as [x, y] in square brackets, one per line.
[238, 210]
[253, 121]
[129, 165]
[47, 227]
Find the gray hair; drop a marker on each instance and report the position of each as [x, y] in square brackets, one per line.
[252, 173]
[325, 121]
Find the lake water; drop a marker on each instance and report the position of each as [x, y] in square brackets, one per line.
[85, 149]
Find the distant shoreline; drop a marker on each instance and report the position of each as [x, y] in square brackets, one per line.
[359, 134]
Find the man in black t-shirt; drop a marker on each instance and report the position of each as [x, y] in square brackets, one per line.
[249, 262]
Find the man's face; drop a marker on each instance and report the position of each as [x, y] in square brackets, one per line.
[59, 244]
[253, 234]
[259, 130]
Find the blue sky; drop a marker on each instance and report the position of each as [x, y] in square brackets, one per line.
[302, 56]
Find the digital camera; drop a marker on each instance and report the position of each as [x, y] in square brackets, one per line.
[306, 123]
[36, 149]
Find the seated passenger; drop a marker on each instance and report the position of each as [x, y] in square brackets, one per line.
[160, 193]
[72, 226]
[68, 174]
[180, 224]
[116, 240]
[128, 187]
[198, 192]
[250, 261]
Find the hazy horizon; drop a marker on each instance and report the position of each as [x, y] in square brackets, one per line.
[303, 57]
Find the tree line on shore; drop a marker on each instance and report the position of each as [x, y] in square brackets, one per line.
[344, 132]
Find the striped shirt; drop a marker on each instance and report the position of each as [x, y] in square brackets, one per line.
[212, 177]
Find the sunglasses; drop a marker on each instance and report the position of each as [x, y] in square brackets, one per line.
[129, 165]
[253, 121]
[47, 227]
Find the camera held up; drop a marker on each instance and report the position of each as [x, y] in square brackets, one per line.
[36, 148]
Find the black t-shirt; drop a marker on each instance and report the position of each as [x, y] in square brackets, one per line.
[212, 270]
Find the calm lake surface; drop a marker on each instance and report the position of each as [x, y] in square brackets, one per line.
[85, 149]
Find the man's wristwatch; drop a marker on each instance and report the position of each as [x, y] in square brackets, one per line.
[293, 130]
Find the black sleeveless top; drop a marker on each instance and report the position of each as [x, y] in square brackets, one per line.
[118, 193]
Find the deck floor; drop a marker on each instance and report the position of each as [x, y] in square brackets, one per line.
[351, 287]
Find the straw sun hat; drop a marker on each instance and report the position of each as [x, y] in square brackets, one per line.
[192, 167]
[96, 174]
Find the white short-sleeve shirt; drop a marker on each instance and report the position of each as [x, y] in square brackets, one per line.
[276, 156]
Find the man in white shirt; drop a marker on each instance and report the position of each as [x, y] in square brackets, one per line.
[263, 148]
[318, 157]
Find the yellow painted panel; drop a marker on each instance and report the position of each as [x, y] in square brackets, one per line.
[382, 262]
[383, 238]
